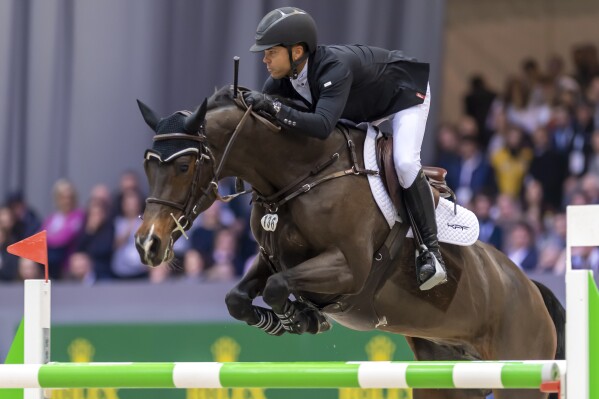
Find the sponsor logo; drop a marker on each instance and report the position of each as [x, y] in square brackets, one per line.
[458, 226]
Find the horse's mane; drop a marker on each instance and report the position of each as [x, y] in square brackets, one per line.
[222, 97]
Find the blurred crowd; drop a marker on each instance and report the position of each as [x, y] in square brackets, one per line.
[96, 242]
[516, 157]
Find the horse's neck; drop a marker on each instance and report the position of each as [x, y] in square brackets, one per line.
[269, 160]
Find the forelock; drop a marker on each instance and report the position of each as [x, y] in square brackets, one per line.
[171, 124]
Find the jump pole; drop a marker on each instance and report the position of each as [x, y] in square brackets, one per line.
[516, 375]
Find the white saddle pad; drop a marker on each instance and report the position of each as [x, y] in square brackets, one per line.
[459, 228]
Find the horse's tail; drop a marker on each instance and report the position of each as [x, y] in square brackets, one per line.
[558, 315]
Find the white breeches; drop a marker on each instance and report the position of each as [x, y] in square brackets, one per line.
[408, 131]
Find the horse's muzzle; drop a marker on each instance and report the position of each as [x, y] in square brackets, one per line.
[148, 247]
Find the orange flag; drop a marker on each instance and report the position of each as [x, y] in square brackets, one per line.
[33, 248]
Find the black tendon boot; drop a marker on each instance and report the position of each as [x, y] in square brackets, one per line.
[430, 267]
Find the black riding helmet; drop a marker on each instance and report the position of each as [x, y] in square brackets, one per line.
[286, 26]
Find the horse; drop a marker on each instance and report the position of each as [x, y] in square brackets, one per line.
[325, 247]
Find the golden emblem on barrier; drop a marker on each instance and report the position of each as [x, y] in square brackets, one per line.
[80, 350]
[379, 349]
[226, 349]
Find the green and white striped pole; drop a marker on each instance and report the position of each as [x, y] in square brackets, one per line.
[520, 375]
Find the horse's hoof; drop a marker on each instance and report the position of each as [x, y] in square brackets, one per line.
[324, 325]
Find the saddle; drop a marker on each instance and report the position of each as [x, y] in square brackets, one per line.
[434, 175]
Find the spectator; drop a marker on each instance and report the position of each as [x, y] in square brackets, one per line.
[202, 238]
[447, 149]
[29, 270]
[8, 223]
[81, 269]
[589, 184]
[521, 247]
[96, 239]
[467, 127]
[585, 258]
[534, 206]
[477, 104]
[126, 263]
[500, 128]
[62, 226]
[511, 163]
[223, 256]
[559, 79]
[593, 166]
[552, 244]
[532, 78]
[159, 274]
[8, 263]
[549, 168]
[101, 192]
[508, 212]
[474, 174]
[490, 232]
[129, 181]
[586, 63]
[578, 197]
[562, 131]
[592, 96]
[580, 147]
[549, 258]
[520, 110]
[193, 267]
[27, 221]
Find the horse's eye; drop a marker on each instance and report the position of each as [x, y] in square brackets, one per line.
[183, 168]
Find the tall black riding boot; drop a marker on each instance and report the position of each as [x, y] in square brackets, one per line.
[430, 267]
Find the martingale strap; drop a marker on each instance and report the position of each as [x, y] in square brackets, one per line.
[276, 200]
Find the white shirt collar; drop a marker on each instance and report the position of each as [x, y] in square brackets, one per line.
[301, 84]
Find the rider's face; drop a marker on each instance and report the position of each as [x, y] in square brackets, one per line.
[277, 62]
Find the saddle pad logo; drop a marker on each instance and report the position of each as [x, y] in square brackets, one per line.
[269, 222]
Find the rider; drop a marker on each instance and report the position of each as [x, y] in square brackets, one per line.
[361, 84]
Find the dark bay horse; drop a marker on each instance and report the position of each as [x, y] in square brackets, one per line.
[323, 245]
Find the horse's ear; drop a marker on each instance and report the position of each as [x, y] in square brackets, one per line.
[149, 115]
[195, 120]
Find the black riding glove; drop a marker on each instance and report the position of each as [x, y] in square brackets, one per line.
[261, 102]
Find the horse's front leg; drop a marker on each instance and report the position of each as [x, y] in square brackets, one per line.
[327, 273]
[239, 300]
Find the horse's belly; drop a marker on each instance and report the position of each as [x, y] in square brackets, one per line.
[352, 322]
[357, 315]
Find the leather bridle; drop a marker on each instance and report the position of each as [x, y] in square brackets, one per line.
[190, 207]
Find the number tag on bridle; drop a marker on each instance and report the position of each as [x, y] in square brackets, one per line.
[269, 221]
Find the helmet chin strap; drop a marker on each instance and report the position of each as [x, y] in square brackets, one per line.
[296, 63]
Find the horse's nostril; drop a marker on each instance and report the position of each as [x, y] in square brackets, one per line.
[152, 249]
[148, 247]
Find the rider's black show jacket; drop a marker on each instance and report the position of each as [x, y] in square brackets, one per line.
[354, 82]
